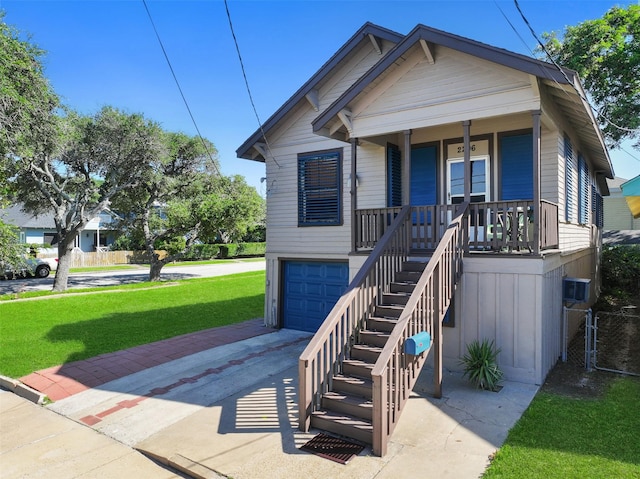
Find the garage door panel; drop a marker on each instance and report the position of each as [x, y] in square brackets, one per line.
[311, 289]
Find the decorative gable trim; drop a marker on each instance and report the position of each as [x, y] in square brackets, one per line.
[364, 33]
[427, 36]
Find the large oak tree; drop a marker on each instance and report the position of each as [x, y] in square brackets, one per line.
[166, 208]
[606, 54]
[27, 119]
[77, 175]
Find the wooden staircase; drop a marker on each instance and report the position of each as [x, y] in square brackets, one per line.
[347, 408]
[354, 375]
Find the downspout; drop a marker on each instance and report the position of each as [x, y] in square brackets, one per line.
[354, 195]
[536, 181]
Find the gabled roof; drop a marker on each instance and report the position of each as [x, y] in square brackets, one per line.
[15, 216]
[449, 40]
[361, 35]
[572, 100]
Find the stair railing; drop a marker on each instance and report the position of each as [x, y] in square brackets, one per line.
[323, 356]
[395, 372]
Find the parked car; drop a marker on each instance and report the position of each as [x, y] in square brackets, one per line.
[28, 267]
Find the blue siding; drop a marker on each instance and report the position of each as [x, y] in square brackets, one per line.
[516, 179]
[423, 175]
[311, 289]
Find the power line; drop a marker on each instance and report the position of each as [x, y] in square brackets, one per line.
[561, 70]
[246, 82]
[184, 99]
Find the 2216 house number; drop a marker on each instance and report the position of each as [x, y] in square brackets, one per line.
[461, 148]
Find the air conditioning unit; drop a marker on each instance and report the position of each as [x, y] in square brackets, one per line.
[576, 290]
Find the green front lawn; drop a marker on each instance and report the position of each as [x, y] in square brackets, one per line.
[40, 333]
[565, 438]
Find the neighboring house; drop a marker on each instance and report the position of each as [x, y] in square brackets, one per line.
[367, 164]
[617, 215]
[631, 193]
[41, 229]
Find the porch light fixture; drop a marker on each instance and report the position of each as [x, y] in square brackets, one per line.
[349, 181]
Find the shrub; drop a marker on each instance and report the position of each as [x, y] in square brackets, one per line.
[480, 364]
[620, 269]
[209, 251]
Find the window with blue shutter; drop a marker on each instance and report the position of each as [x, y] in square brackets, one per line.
[319, 192]
[583, 191]
[596, 207]
[516, 167]
[568, 179]
[394, 176]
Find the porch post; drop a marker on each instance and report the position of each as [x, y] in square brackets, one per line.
[354, 194]
[406, 165]
[536, 181]
[466, 127]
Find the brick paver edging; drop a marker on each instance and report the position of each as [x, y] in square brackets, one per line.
[65, 380]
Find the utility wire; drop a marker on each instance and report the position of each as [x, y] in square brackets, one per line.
[246, 82]
[184, 99]
[561, 70]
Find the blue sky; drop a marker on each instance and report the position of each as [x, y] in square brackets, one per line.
[105, 52]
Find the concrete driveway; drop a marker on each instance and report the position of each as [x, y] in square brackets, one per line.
[137, 275]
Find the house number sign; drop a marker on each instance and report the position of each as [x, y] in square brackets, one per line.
[478, 148]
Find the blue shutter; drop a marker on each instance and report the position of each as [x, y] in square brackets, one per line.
[423, 175]
[599, 211]
[568, 179]
[516, 179]
[583, 191]
[394, 176]
[319, 192]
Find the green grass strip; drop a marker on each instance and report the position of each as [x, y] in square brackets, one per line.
[564, 438]
[46, 332]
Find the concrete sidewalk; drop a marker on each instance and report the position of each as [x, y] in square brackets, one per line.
[231, 411]
[36, 442]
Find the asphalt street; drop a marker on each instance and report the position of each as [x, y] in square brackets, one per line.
[137, 275]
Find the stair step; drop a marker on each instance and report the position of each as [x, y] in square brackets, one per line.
[347, 404]
[365, 352]
[344, 425]
[352, 385]
[414, 266]
[388, 311]
[401, 287]
[375, 323]
[395, 299]
[408, 276]
[373, 338]
[357, 368]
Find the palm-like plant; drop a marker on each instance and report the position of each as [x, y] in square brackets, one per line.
[480, 364]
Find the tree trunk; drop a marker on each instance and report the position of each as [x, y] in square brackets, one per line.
[155, 267]
[65, 247]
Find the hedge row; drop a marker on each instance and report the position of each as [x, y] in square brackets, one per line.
[211, 251]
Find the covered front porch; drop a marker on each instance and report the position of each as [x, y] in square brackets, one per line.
[496, 171]
[501, 227]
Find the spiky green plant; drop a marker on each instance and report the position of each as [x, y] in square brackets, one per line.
[480, 364]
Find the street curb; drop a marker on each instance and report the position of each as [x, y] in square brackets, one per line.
[22, 390]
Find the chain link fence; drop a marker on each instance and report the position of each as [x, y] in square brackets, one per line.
[608, 341]
[616, 342]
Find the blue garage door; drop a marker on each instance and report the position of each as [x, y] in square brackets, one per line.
[311, 289]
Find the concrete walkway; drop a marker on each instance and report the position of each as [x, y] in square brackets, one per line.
[231, 411]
